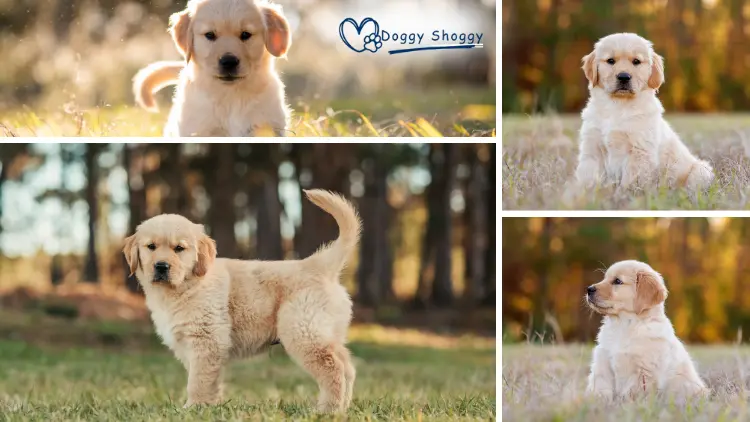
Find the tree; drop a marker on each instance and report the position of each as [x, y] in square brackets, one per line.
[475, 223]
[133, 157]
[223, 188]
[91, 269]
[490, 260]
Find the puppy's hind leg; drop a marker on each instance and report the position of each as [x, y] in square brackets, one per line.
[349, 373]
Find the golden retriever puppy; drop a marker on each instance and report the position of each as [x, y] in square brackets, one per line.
[227, 85]
[624, 138]
[210, 310]
[637, 351]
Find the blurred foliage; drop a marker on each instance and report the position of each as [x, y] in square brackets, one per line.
[704, 262]
[705, 45]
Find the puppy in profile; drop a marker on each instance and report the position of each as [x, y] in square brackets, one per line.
[210, 310]
[637, 351]
[624, 138]
[227, 85]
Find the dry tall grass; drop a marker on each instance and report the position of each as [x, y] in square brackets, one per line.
[547, 383]
[540, 157]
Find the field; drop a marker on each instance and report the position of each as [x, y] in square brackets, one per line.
[57, 370]
[465, 111]
[546, 383]
[540, 157]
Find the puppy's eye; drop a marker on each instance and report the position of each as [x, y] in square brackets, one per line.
[244, 36]
[178, 248]
[211, 36]
[636, 62]
[151, 246]
[611, 61]
[617, 281]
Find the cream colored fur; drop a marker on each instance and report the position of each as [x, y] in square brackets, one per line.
[624, 138]
[204, 104]
[211, 311]
[637, 351]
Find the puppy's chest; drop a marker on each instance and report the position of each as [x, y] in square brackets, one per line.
[163, 325]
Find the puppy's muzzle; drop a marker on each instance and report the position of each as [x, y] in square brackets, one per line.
[623, 81]
[228, 66]
[161, 271]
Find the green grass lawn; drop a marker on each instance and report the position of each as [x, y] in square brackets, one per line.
[57, 370]
[460, 111]
[547, 383]
[540, 158]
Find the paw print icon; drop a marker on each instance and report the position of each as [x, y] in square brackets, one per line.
[373, 42]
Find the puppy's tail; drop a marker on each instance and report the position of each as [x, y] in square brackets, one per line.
[151, 79]
[332, 258]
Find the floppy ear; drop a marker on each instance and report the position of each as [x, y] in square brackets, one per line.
[131, 253]
[278, 36]
[590, 69]
[206, 255]
[649, 291]
[181, 28]
[657, 71]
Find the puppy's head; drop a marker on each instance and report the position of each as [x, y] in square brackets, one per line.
[628, 287]
[623, 65]
[169, 249]
[230, 39]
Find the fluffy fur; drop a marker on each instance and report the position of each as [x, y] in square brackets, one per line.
[210, 310]
[211, 100]
[624, 138]
[637, 351]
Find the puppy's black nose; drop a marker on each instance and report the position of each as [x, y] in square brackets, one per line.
[623, 77]
[161, 267]
[591, 290]
[229, 62]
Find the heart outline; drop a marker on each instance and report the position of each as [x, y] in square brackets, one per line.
[359, 28]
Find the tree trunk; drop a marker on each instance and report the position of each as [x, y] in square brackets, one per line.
[91, 271]
[222, 211]
[541, 301]
[173, 171]
[375, 271]
[133, 163]
[268, 218]
[475, 228]
[3, 179]
[328, 166]
[490, 277]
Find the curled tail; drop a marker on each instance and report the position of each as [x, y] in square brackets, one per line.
[151, 79]
[332, 258]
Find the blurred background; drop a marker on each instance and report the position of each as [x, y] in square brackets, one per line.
[705, 44]
[426, 258]
[67, 57]
[704, 262]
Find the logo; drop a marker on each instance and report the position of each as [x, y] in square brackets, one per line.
[368, 36]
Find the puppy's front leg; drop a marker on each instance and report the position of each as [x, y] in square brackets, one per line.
[630, 157]
[205, 371]
[601, 379]
[590, 170]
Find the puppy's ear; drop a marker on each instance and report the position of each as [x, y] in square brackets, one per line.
[657, 71]
[278, 35]
[131, 253]
[649, 291]
[590, 68]
[181, 29]
[206, 255]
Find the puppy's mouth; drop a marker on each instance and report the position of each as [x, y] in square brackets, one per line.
[161, 278]
[623, 91]
[229, 78]
[593, 304]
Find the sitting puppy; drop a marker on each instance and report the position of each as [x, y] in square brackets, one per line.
[624, 137]
[637, 350]
[227, 85]
[210, 310]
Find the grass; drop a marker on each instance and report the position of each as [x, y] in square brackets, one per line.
[465, 111]
[547, 383]
[61, 370]
[540, 157]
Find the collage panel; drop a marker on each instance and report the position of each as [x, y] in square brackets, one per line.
[625, 105]
[244, 68]
[247, 281]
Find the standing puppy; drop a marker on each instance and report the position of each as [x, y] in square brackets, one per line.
[637, 350]
[210, 310]
[227, 85]
[624, 137]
